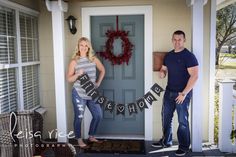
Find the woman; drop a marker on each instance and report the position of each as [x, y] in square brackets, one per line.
[84, 61]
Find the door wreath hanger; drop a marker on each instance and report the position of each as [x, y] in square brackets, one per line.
[127, 47]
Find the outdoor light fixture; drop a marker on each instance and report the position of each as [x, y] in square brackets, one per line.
[71, 23]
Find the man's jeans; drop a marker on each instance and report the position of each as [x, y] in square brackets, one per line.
[168, 108]
[79, 107]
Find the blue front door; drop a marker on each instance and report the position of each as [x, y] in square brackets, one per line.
[123, 83]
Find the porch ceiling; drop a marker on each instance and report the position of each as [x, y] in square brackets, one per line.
[223, 3]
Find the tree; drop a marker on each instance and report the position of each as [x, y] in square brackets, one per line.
[225, 28]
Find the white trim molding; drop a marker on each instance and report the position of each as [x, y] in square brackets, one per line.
[191, 2]
[146, 10]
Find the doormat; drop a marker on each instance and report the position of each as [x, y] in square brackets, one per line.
[117, 147]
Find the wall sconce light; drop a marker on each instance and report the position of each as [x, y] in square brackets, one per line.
[71, 23]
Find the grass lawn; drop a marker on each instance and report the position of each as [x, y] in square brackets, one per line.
[231, 65]
[227, 55]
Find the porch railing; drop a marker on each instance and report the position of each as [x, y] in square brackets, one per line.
[227, 115]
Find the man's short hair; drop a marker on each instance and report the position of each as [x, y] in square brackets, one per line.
[179, 32]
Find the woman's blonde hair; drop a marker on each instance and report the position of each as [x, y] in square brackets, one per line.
[90, 53]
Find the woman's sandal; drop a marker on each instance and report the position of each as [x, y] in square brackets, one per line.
[84, 146]
[94, 140]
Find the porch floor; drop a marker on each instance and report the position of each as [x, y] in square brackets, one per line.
[208, 150]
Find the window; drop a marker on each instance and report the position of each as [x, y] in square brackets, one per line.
[19, 60]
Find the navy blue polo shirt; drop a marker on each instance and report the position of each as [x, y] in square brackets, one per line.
[177, 64]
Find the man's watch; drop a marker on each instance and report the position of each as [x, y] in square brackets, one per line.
[182, 94]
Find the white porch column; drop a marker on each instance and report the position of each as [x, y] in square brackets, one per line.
[225, 115]
[58, 8]
[197, 49]
[212, 71]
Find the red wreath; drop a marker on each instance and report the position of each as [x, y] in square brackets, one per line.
[127, 47]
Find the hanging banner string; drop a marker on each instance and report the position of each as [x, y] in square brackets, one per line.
[117, 23]
[110, 106]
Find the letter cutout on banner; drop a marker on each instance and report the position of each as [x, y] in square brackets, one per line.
[157, 89]
[149, 98]
[94, 94]
[101, 100]
[141, 104]
[132, 108]
[83, 79]
[110, 106]
[88, 86]
[120, 109]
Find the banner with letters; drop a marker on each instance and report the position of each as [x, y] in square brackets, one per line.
[119, 108]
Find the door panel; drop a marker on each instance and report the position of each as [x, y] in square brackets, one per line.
[122, 83]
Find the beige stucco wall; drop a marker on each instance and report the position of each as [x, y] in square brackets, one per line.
[168, 16]
[47, 85]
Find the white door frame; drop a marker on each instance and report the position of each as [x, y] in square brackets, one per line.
[146, 10]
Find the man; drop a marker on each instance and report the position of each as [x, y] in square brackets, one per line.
[182, 69]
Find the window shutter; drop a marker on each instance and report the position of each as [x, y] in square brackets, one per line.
[8, 84]
[29, 53]
[7, 36]
[30, 86]
[29, 38]
[8, 90]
